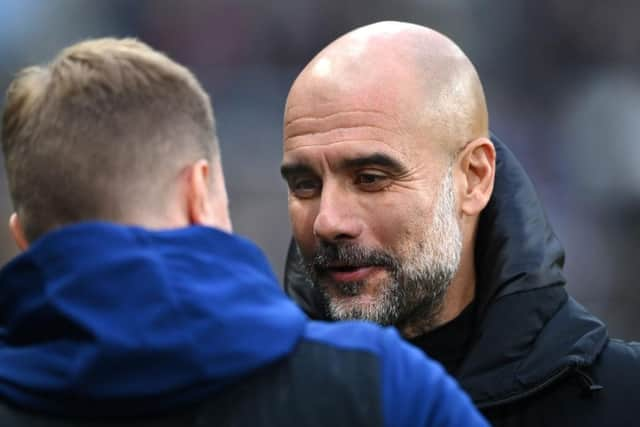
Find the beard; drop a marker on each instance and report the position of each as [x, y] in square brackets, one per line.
[416, 282]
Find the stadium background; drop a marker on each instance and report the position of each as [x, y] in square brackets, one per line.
[561, 77]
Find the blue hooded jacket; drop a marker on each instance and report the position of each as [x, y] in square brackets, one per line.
[107, 320]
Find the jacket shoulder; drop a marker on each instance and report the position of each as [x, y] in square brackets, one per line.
[415, 390]
[626, 350]
[617, 369]
[616, 375]
[316, 385]
[339, 375]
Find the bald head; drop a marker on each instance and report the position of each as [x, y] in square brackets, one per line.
[386, 157]
[418, 73]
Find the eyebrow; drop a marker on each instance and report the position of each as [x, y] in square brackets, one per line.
[375, 159]
[289, 170]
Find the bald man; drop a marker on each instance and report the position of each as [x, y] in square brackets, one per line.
[405, 212]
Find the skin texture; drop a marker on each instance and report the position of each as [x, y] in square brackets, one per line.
[399, 92]
[198, 196]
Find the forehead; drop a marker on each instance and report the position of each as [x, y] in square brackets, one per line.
[340, 130]
[320, 101]
[320, 112]
[318, 123]
[342, 156]
[329, 135]
[355, 114]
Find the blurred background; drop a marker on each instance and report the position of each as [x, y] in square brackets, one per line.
[561, 77]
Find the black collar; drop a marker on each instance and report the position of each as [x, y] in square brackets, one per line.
[448, 343]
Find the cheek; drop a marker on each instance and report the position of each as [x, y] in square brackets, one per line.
[398, 223]
[302, 218]
[387, 221]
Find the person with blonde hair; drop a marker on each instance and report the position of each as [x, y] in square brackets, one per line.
[133, 304]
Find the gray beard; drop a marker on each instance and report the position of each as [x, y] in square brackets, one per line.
[416, 286]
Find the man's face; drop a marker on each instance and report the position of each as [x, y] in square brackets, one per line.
[373, 208]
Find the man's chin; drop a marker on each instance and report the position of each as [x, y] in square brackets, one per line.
[358, 307]
[354, 301]
[359, 300]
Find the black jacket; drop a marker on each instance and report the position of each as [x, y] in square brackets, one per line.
[537, 357]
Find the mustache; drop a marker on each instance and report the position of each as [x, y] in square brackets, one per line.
[328, 255]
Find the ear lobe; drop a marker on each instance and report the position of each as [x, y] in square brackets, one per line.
[199, 206]
[15, 227]
[478, 164]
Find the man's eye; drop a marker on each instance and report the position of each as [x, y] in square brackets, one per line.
[371, 181]
[304, 187]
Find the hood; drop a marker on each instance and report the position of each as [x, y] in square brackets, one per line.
[520, 283]
[98, 316]
[516, 248]
[528, 331]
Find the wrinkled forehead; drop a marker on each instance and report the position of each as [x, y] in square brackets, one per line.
[342, 136]
[345, 155]
[318, 123]
[381, 105]
[348, 117]
[335, 135]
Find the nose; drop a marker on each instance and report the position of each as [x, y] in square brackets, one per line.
[337, 217]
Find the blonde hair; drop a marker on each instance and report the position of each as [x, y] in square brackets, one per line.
[101, 131]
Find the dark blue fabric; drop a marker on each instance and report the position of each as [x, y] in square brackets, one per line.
[416, 391]
[98, 311]
[107, 320]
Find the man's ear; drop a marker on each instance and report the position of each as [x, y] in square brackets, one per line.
[15, 227]
[207, 202]
[199, 193]
[478, 167]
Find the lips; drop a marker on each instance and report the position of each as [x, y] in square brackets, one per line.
[348, 263]
[345, 273]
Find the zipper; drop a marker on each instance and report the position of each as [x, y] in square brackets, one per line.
[589, 386]
[587, 382]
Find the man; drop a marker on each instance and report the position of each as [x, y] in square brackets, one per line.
[178, 323]
[406, 213]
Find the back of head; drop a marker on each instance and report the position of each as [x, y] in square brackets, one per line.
[101, 133]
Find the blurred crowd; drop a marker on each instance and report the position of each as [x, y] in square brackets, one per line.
[561, 79]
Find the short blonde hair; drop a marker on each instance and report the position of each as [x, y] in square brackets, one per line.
[101, 131]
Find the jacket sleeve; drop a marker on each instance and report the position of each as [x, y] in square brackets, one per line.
[417, 392]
